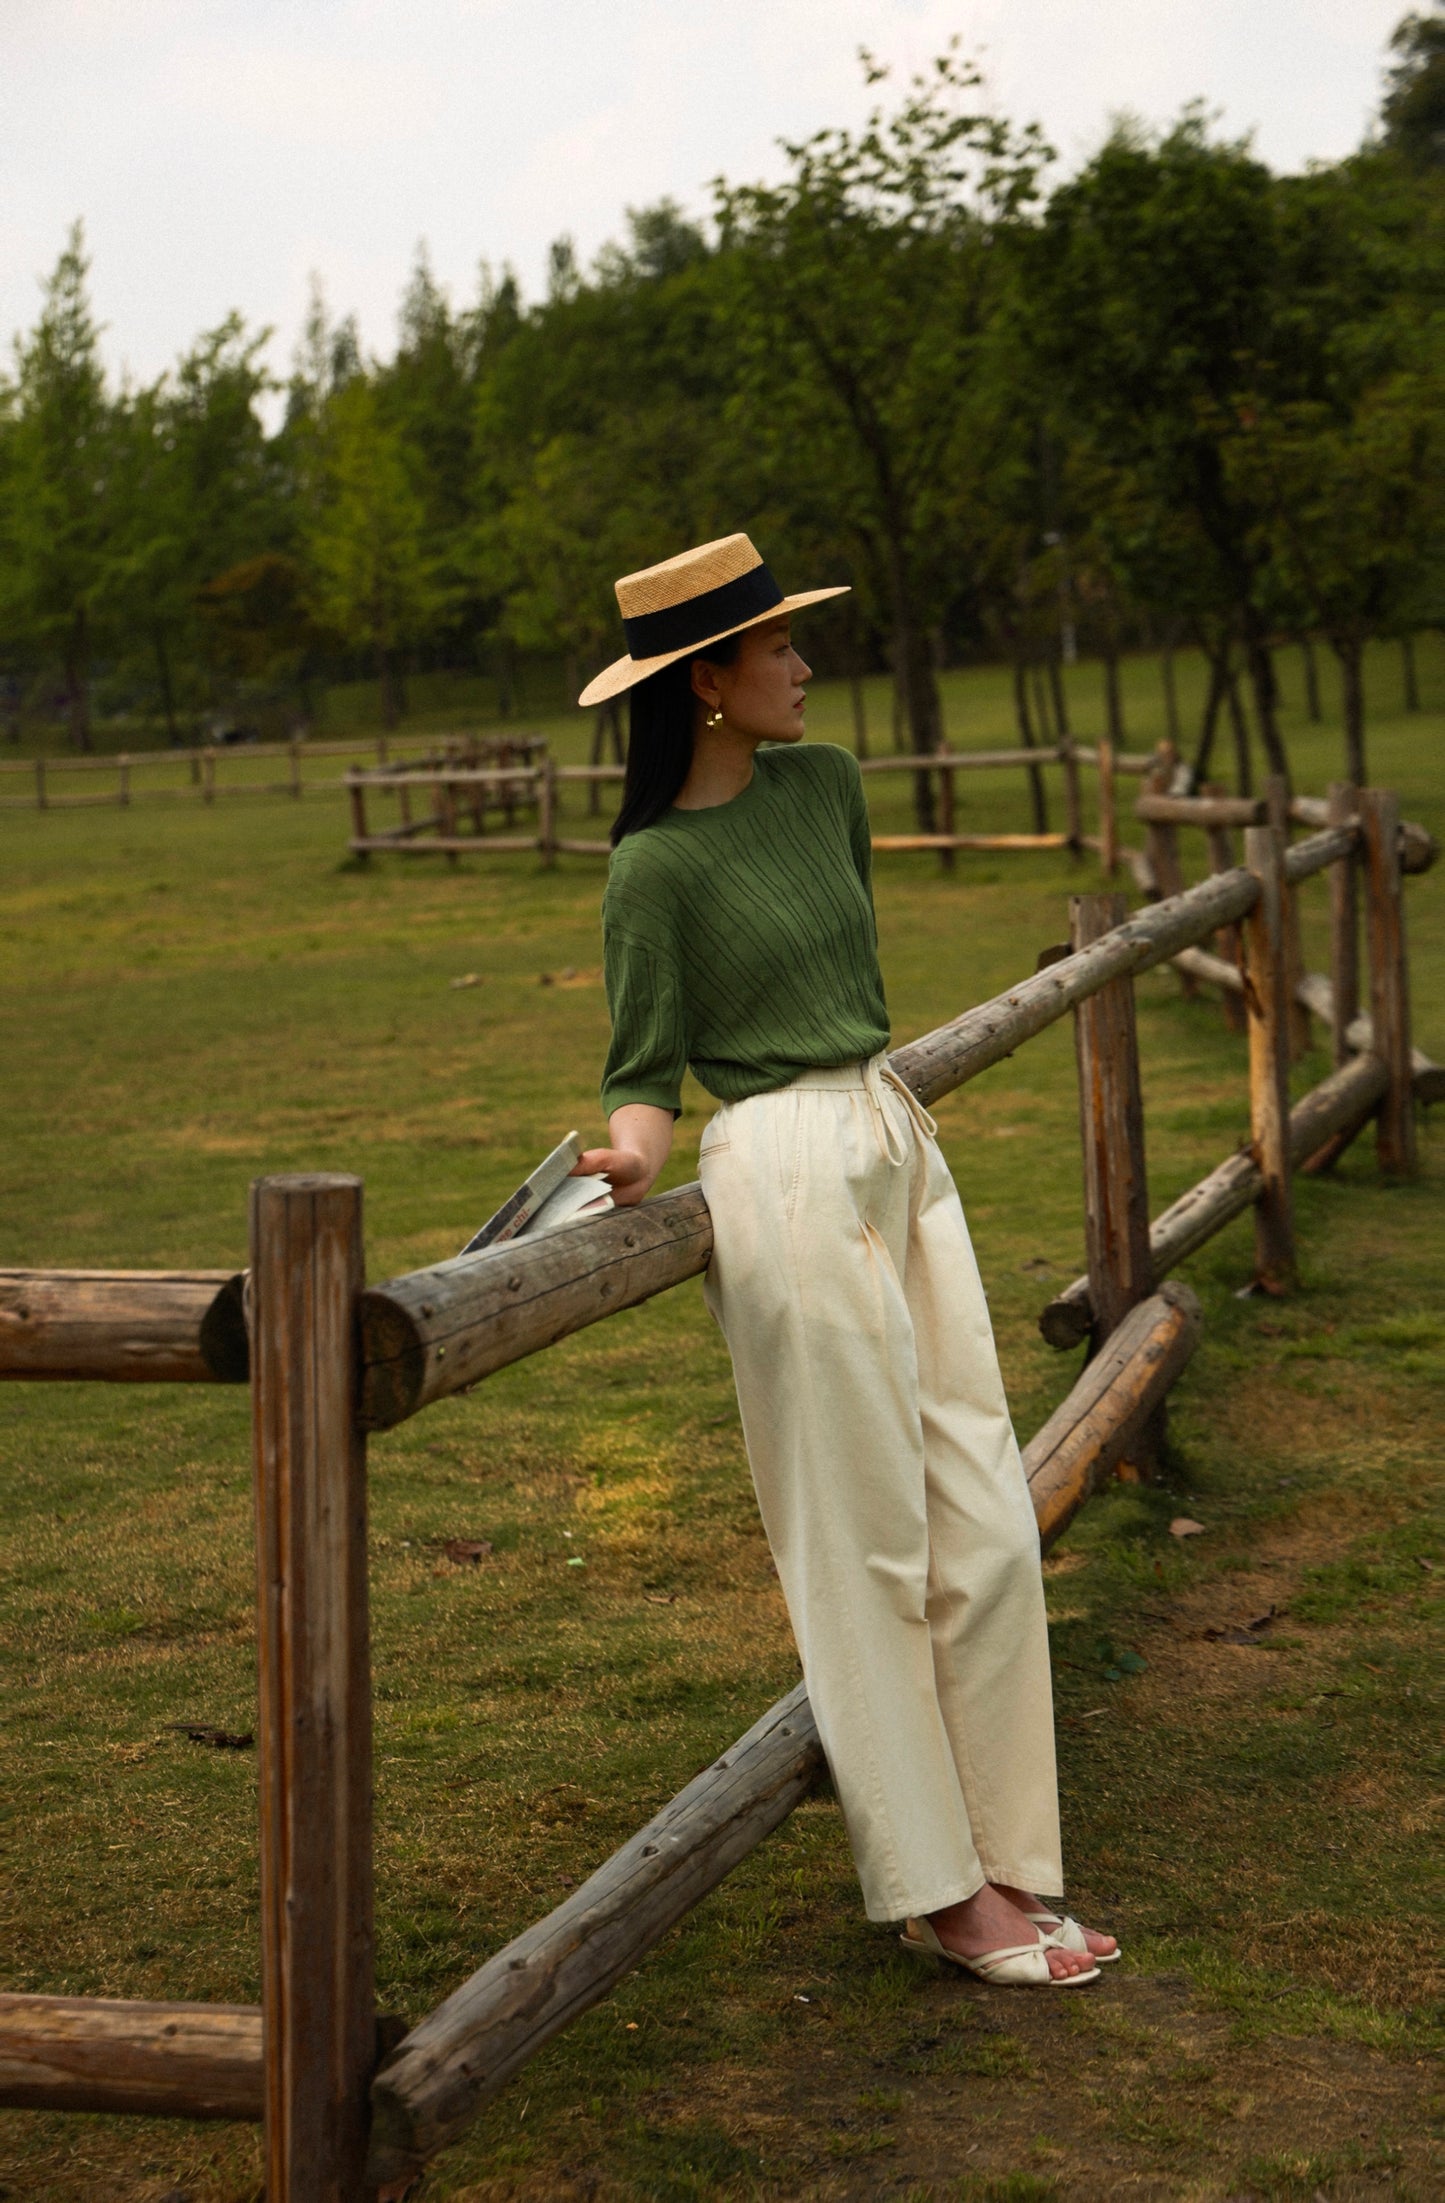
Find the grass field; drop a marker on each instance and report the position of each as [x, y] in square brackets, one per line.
[195, 996]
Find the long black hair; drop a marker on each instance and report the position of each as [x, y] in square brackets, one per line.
[662, 714]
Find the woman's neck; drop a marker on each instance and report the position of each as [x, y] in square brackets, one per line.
[722, 766]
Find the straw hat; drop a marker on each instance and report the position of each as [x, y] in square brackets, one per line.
[670, 611]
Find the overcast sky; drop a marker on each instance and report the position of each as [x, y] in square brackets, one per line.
[220, 150]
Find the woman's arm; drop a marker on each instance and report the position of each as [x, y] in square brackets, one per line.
[641, 1143]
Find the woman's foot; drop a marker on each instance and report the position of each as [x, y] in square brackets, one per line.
[1100, 1946]
[989, 1921]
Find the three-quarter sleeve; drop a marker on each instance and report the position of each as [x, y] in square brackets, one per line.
[648, 1054]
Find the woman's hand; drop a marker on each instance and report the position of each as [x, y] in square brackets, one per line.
[642, 1138]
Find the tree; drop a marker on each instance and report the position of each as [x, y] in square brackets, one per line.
[864, 295]
[373, 582]
[1158, 284]
[56, 521]
[1413, 110]
[196, 492]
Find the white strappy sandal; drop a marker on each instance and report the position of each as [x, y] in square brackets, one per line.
[1017, 1966]
[1067, 1935]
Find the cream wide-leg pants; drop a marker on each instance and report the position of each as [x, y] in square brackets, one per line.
[890, 1484]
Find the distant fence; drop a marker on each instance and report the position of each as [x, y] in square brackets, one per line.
[213, 771]
[453, 797]
[352, 2106]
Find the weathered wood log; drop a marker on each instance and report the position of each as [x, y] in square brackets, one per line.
[1418, 847]
[1342, 1102]
[984, 1035]
[1389, 983]
[1118, 1395]
[313, 1686]
[1159, 809]
[464, 2053]
[82, 2053]
[1297, 1018]
[1267, 1000]
[1111, 1129]
[945, 842]
[123, 1326]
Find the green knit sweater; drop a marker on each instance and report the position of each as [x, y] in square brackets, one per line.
[740, 939]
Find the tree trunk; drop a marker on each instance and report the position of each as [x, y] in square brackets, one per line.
[856, 695]
[168, 694]
[1243, 767]
[1351, 653]
[390, 698]
[1037, 796]
[1060, 698]
[1312, 680]
[916, 685]
[1218, 682]
[1412, 683]
[1043, 716]
[1113, 701]
[1260, 661]
[1171, 693]
[77, 683]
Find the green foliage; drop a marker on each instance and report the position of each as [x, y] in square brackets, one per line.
[1176, 396]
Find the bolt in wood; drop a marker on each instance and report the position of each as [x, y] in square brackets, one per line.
[314, 1725]
[1267, 1001]
[1389, 981]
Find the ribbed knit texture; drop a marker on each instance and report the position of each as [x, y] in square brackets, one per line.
[740, 940]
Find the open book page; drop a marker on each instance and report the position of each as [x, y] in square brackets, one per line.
[573, 1200]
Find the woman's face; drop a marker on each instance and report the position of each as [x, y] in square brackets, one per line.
[762, 693]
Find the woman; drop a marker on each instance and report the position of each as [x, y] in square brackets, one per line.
[739, 940]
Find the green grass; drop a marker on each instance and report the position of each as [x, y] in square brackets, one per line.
[195, 996]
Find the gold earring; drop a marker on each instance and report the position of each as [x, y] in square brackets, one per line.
[713, 719]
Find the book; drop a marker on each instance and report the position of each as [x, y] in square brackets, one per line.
[551, 1196]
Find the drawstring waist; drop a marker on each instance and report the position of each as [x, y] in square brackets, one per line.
[876, 1077]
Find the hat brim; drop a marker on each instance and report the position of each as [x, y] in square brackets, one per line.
[625, 673]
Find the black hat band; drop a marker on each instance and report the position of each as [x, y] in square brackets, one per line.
[698, 619]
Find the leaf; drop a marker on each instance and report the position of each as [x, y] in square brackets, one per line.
[661, 1598]
[466, 1551]
[468, 979]
[1183, 1527]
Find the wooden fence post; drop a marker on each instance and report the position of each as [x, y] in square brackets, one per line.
[1344, 925]
[314, 1686]
[295, 766]
[356, 792]
[946, 811]
[41, 800]
[1073, 807]
[1267, 1000]
[1108, 810]
[1226, 940]
[1389, 984]
[208, 776]
[547, 813]
[1276, 796]
[1111, 1127]
[123, 793]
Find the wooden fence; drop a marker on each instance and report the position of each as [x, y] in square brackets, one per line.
[453, 823]
[352, 2107]
[217, 770]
